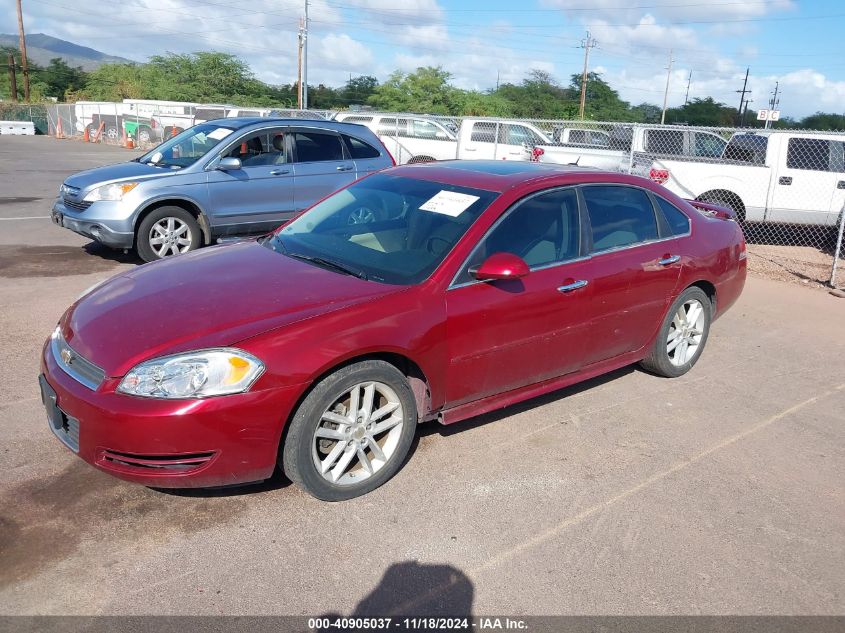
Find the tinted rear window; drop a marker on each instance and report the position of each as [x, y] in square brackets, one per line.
[360, 149]
[677, 220]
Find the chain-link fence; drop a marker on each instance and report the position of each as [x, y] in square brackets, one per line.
[786, 187]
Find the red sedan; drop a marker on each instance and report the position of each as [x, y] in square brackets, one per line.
[425, 292]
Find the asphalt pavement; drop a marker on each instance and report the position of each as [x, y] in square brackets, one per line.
[720, 492]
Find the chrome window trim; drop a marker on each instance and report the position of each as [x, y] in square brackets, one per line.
[57, 344]
[592, 254]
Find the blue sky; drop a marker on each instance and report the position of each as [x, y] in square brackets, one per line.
[795, 42]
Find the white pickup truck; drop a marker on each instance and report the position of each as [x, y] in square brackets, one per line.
[633, 148]
[782, 177]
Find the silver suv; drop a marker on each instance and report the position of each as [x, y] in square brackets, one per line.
[228, 177]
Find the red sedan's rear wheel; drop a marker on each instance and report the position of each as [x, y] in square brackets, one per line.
[682, 336]
[352, 432]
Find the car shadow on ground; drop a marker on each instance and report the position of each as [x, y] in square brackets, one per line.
[277, 482]
[116, 255]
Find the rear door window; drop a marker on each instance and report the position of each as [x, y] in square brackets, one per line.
[483, 132]
[815, 154]
[619, 216]
[312, 147]
[665, 142]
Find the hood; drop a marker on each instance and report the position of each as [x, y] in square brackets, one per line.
[109, 173]
[213, 297]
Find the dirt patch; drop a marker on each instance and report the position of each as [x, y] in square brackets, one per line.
[59, 261]
[805, 265]
[44, 520]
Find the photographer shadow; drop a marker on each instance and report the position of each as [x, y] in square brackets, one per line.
[412, 589]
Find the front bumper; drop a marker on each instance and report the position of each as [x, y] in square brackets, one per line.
[196, 443]
[96, 222]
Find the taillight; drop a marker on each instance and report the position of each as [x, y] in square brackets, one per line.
[536, 153]
[660, 176]
[153, 123]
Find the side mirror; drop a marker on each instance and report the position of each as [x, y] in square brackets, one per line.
[229, 164]
[500, 266]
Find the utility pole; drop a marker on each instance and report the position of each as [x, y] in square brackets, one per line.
[742, 96]
[666, 92]
[745, 111]
[13, 82]
[305, 61]
[689, 81]
[773, 103]
[299, 67]
[587, 43]
[24, 66]
[497, 81]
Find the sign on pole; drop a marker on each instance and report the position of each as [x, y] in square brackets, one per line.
[768, 115]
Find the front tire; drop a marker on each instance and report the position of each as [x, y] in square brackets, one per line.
[165, 232]
[682, 336]
[352, 432]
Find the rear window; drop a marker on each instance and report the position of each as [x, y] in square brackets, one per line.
[747, 148]
[665, 142]
[360, 149]
[483, 132]
[619, 216]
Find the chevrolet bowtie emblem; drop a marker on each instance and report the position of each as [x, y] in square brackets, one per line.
[67, 356]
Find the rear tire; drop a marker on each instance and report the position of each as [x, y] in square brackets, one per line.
[165, 232]
[682, 336]
[341, 446]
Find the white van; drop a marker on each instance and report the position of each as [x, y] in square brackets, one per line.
[410, 138]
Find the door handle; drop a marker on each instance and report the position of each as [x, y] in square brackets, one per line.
[345, 168]
[279, 172]
[840, 184]
[785, 180]
[470, 149]
[575, 285]
[671, 259]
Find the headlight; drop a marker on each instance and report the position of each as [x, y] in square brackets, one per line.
[114, 191]
[211, 372]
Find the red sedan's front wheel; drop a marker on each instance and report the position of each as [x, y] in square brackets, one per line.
[352, 432]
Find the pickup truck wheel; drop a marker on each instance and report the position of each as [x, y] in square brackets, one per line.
[145, 135]
[682, 336]
[352, 432]
[112, 133]
[165, 232]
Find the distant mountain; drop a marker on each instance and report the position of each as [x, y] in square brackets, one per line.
[41, 48]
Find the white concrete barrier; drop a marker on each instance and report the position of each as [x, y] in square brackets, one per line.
[18, 128]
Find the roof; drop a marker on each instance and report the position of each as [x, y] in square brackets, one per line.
[238, 122]
[499, 175]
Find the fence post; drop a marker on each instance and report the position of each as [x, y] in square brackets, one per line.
[838, 249]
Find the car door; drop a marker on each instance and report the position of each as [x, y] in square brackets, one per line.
[482, 141]
[259, 195]
[321, 165]
[503, 335]
[806, 182]
[635, 267]
[432, 140]
[513, 141]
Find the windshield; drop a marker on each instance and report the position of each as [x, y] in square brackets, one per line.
[188, 147]
[384, 228]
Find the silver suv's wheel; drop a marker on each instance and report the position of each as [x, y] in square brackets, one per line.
[167, 231]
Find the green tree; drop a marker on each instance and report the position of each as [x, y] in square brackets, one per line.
[824, 121]
[425, 90]
[705, 111]
[358, 89]
[602, 103]
[539, 96]
[59, 78]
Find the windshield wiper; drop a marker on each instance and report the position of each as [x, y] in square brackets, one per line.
[327, 263]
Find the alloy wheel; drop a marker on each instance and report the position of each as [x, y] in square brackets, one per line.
[685, 333]
[170, 236]
[358, 433]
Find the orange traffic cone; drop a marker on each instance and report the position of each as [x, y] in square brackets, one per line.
[173, 132]
[59, 132]
[123, 133]
[130, 144]
[86, 135]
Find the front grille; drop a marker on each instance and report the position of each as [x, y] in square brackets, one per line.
[80, 369]
[78, 205]
[178, 463]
